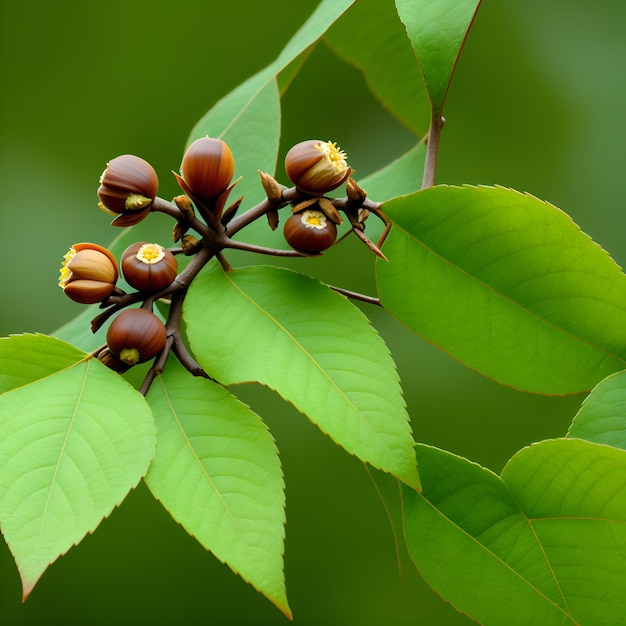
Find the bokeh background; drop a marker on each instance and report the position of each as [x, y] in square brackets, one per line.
[536, 104]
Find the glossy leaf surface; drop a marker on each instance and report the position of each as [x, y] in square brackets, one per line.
[545, 543]
[384, 55]
[72, 444]
[437, 30]
[27, 358]
[216, 470]
[248, 118]
[308, 343]
[602, 417]
[508, 285]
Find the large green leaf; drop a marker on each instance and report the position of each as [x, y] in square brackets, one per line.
[507, 284]
[216, 470]
[602, 417]
[27, 358]
[543, 544]
[72, 444]
[308, 343]
[248, 118]
[371, 38]
[437, 30]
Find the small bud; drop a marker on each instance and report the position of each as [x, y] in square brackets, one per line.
[317, 167]
[136, 336]
[207, 169]
[148, 266]
[355, 194]
[190, 244]
[106, 357]
[128, 187]
[273, 189]
[272, 218]
[310, 231]
[231, 211]
[185, 206]
[179, 231]
[88, 273]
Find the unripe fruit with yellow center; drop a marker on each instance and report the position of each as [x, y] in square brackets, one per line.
[88, 273]
[148, 267]
[128, 187]
[310, 231]
[317, 167]
[136, 336]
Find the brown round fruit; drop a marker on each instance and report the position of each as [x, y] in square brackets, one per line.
[148, 267]
[310, 231]
[136, 336]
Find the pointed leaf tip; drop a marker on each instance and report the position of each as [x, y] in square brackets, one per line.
[68, 456]
[437, 30]
[311, 345]
[217, 472]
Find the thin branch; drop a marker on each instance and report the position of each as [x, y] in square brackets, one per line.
[157, 367]
[432, 150]
[289, 195]
[355, 295]
[251, 247]
[226, 266]
[169, 208]
[188, 362]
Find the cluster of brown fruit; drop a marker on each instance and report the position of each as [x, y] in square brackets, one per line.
[89, 275]
[128, 191]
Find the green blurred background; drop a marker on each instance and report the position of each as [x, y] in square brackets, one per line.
[537, 104]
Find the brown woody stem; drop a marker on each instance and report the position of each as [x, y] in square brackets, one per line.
[432, 149]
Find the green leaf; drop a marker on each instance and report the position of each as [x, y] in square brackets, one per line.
[543, 544]
[437, 30]
[399, 178]
[27, 358]
[308, 343]
[248, 118]
[217, 472]
[253, 108]
[72, 444]
[508, 285]
[370, 37]
[285, 77]
[602, 417]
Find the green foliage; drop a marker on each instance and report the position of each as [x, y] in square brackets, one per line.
[385, 57]
[437, 31]
[544, 543]
[248, 119]
[507, 284]
[74, 439]
[601, 417]
[216, 470]
[296, 336]
[504, 282]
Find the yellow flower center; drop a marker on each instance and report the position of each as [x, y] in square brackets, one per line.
[150, 253]
[66, 272]
[313, 219]
[136, 201]
[130, 356]
[333, 155]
